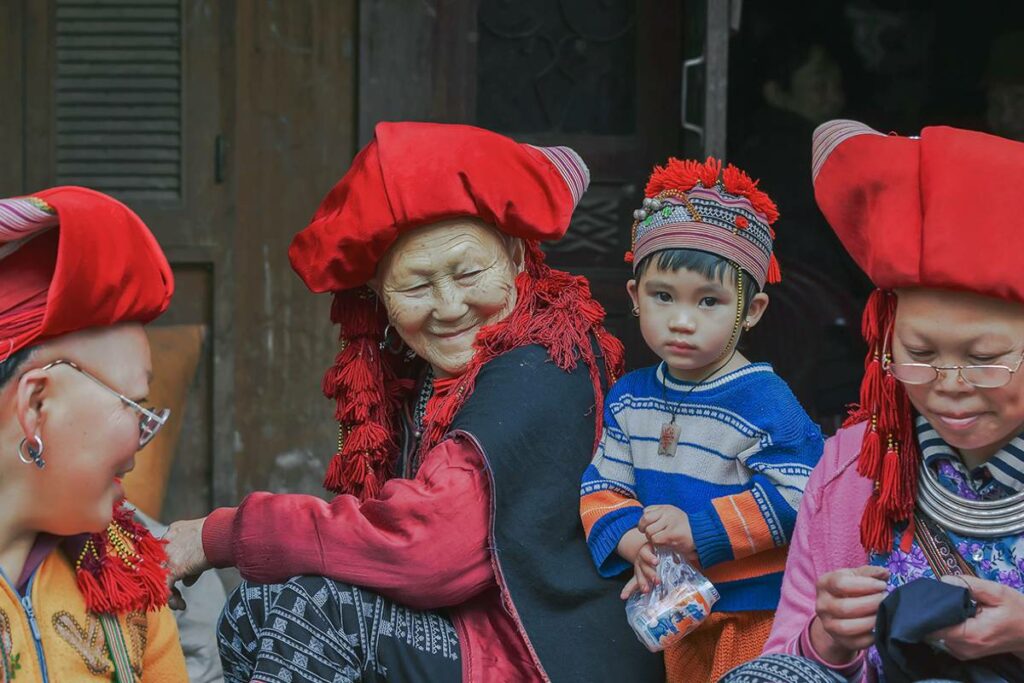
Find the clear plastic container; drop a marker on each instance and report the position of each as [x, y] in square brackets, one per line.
[677, 606]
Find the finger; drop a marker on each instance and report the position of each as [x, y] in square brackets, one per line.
[849, 584]
[175, 601]
[849, 631]
[650, 574]
[666, 537]
[629, 588]
[870, 571]
[850, 608]
[648, 556]
[985, 592]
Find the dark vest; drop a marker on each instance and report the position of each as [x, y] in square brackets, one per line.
[535, 425]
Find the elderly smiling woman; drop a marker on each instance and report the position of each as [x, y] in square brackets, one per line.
[82, 595]
[468, 388]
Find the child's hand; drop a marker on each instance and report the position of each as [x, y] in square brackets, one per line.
[645, 572]
[669, 526]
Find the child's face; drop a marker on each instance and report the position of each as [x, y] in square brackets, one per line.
[688, 319]
[945, 328]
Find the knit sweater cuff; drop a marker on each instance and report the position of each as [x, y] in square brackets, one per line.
[604, 541]
[710, 538]
[217, 537]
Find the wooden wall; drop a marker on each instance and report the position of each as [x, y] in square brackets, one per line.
[255, 123]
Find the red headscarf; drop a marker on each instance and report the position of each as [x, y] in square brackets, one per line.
[408, 176]
[941, 211]
[71, 259]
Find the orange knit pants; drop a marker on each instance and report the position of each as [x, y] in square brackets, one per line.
[724, 641]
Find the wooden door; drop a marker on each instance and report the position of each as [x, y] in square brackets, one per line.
[125, 96]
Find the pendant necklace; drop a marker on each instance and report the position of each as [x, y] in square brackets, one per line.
[668, 443]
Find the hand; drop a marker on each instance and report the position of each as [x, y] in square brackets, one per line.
[997, 626]
[668, 526]
[846, 605]
[645, 572]
[186, 559]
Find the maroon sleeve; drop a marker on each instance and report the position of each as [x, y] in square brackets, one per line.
[421, 542]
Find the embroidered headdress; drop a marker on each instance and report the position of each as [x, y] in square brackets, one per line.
[70, 259]
[415, 174]
[693, 205]
[942, 211]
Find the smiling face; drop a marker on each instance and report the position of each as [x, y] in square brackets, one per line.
[443, 282]
[687, 319]
[90, 437]
[944, 328]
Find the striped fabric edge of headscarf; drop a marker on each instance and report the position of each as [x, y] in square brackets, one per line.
[21, 219]
[572, 168]
[830, 135]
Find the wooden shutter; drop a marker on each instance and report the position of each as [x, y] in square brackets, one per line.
[117, 99]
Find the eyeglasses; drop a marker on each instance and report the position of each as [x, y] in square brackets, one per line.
[980, 376]
[150, 421]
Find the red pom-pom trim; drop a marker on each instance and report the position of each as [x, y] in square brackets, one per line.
[628, 258]
[742, 222]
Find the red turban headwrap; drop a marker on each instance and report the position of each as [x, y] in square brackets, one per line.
[415, 174]
[73, 258]
[940, 211]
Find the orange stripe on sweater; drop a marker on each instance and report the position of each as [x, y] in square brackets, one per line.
[768, 562]
[744, 523]
[594, 506]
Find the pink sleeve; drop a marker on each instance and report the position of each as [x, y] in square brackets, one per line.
[791, 629]
[421, 542]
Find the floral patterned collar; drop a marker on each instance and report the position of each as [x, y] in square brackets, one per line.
[1002, 475]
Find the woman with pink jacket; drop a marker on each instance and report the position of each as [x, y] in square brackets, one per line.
[927, 478]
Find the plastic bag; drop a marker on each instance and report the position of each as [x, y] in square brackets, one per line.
[675, 607]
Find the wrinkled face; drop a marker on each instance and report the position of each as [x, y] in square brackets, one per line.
[89, 435]
[441, 283]
[685, 318]
[946, 328]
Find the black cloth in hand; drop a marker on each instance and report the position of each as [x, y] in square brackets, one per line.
[912, 612]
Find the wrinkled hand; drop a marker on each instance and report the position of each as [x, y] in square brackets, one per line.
[645, 572]
[668, 526]
[996, 628]
[186, 559]
[846, 605]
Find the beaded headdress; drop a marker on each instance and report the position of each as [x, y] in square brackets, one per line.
[694, 205]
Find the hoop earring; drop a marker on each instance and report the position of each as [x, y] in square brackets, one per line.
[31, 455]
[387, 343]
[636, 311]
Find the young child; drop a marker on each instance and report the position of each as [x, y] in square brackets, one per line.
[704, 453]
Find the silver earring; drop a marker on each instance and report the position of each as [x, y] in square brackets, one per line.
[32, 455]
[389, 344]
[636, 311]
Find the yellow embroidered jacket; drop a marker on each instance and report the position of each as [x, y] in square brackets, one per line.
[50, 637]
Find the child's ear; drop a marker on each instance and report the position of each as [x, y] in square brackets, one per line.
[631, 289]
[756, 309]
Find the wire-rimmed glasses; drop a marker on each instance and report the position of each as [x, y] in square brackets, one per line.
[150, 421]
[979, 376]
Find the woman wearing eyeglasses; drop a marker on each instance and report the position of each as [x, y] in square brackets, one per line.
[82, 585]
[926, 481]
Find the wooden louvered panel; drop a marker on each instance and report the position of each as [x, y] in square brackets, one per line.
[118, 97]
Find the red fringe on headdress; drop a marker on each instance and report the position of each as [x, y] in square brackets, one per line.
[368, 392]
[114, 584]
[684, 174]
[554, 309]
[889, 454]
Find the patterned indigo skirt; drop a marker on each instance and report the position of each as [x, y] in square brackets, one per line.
[316, 630]
[781, 669]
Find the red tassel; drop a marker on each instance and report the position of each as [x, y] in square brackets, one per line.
[869, 464]
[907, 539]
[774, 272]
[889, 491]
[875, 530]
[628, 258]
[134, 580]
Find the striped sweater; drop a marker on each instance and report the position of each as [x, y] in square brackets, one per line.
[745, 451]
